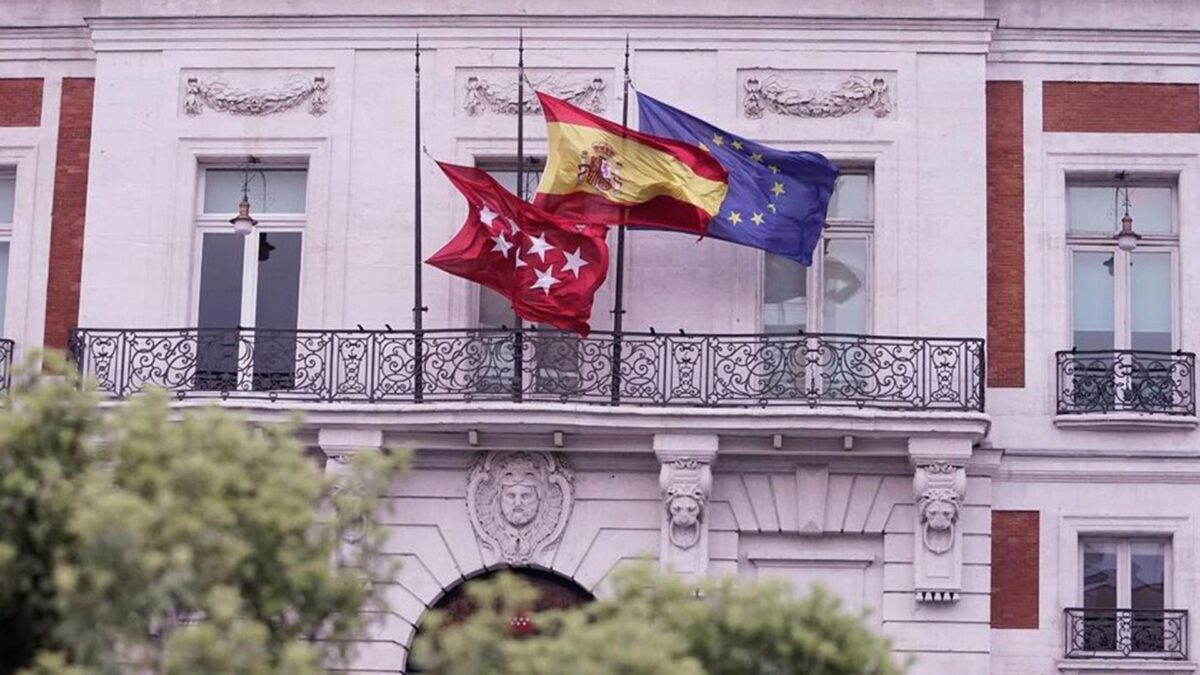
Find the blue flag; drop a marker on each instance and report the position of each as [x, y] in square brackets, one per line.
[777, 199]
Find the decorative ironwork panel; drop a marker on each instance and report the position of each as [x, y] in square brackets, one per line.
[1126, 633]
[1126, 381]
[537, 365]
[7, 349]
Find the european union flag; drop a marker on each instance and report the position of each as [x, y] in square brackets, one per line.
[777, 199]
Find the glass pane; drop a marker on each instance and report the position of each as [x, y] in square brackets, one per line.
[851, 197]
[276, 310]
[1092, 208]
[1150, 300]
[845, 299]
[785, 295]
[1095, 208]
[8, 190]
[1151, 209]
[1092, 299]
[271, 190]
[495, 311]
[508, 178]
[1099, 574]
[221, 280]
[1147, 575]
[220, 311]
[3, 282]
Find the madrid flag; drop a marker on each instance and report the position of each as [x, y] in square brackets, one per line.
[547, 267]
[600, 172]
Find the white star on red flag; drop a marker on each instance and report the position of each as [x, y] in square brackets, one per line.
[545, 279]
[575, 262]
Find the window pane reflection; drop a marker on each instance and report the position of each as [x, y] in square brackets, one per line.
[270, 191]
[845, 299]
[1092, 299]
[785, 295]
[8, 190]
[1150, 300]
[1147, 585]
[851, 197]
[1099, 574]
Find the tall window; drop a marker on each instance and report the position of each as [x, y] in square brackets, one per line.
[495, 310]
[8, 194]
[831, 296]
[1124, 588]
[1122, 299]
[250, 281]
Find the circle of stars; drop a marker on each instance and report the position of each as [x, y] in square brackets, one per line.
[778, 190]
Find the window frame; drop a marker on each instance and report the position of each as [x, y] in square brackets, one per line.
[7, 230]
[218, 223]
[1105, 242]
[1124, 566]
[840, 229]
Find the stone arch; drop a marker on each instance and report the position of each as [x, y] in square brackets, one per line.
[556, 591]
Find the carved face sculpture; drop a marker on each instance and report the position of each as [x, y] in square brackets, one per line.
[940, 514]
[684, 511]
[519, 502]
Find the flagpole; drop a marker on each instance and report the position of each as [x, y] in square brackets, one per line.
[619, 302]
[418, 299]
[518, 336]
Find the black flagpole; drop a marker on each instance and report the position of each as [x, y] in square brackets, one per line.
[619, 303]
[418, 304]
[518, 336]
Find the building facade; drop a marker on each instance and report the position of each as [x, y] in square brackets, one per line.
[973, 417]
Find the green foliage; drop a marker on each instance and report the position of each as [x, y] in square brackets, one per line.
[653, 624]
[141, 539]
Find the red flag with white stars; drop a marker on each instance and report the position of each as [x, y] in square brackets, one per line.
[547, 267]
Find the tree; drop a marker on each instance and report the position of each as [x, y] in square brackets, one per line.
[653, 624]
[140, 539]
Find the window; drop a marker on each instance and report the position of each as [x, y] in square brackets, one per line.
[8, 194]
[1124, 592]
[249, 281]
[1122, 299]
[840, 270]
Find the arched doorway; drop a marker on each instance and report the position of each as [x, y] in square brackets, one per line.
[554, 592]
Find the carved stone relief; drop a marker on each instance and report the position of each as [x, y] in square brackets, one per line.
[686, 483]
[814, 94]
[519, 503]
[215, 93]
[494, 90]
[939, 489]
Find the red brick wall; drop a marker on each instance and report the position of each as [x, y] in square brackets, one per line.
[21, 102]
[1015, 569]
[1005, 235]
[70, 202]
[1121, 107]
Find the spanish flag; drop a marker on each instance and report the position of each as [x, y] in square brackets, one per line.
[599, 172]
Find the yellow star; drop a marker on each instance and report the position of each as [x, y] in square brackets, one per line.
[773, 168]
[737, 145]
[718, 139]
[703, 146]
[778, 189]
[756, 156]
[735, 218]
[757, 218]
[772, 207]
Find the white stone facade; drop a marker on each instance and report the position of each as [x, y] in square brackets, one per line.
[891, 508]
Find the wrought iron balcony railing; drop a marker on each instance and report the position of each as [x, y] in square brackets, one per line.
[604, 368]
[1126, 381]
[1126, 633]
[7, 349]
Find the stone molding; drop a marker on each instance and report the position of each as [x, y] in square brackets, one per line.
[519, 503]
[685, 480]
[216, 94]
[817, 95]
[496, 96]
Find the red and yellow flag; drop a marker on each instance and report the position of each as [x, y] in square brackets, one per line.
[599, 172]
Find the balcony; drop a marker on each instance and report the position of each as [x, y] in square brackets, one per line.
[1159, 634]
[639, 369]
[1125, 381]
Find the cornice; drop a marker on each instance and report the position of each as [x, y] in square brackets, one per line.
[115, 33]
[46, 43]
[1095, 46]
